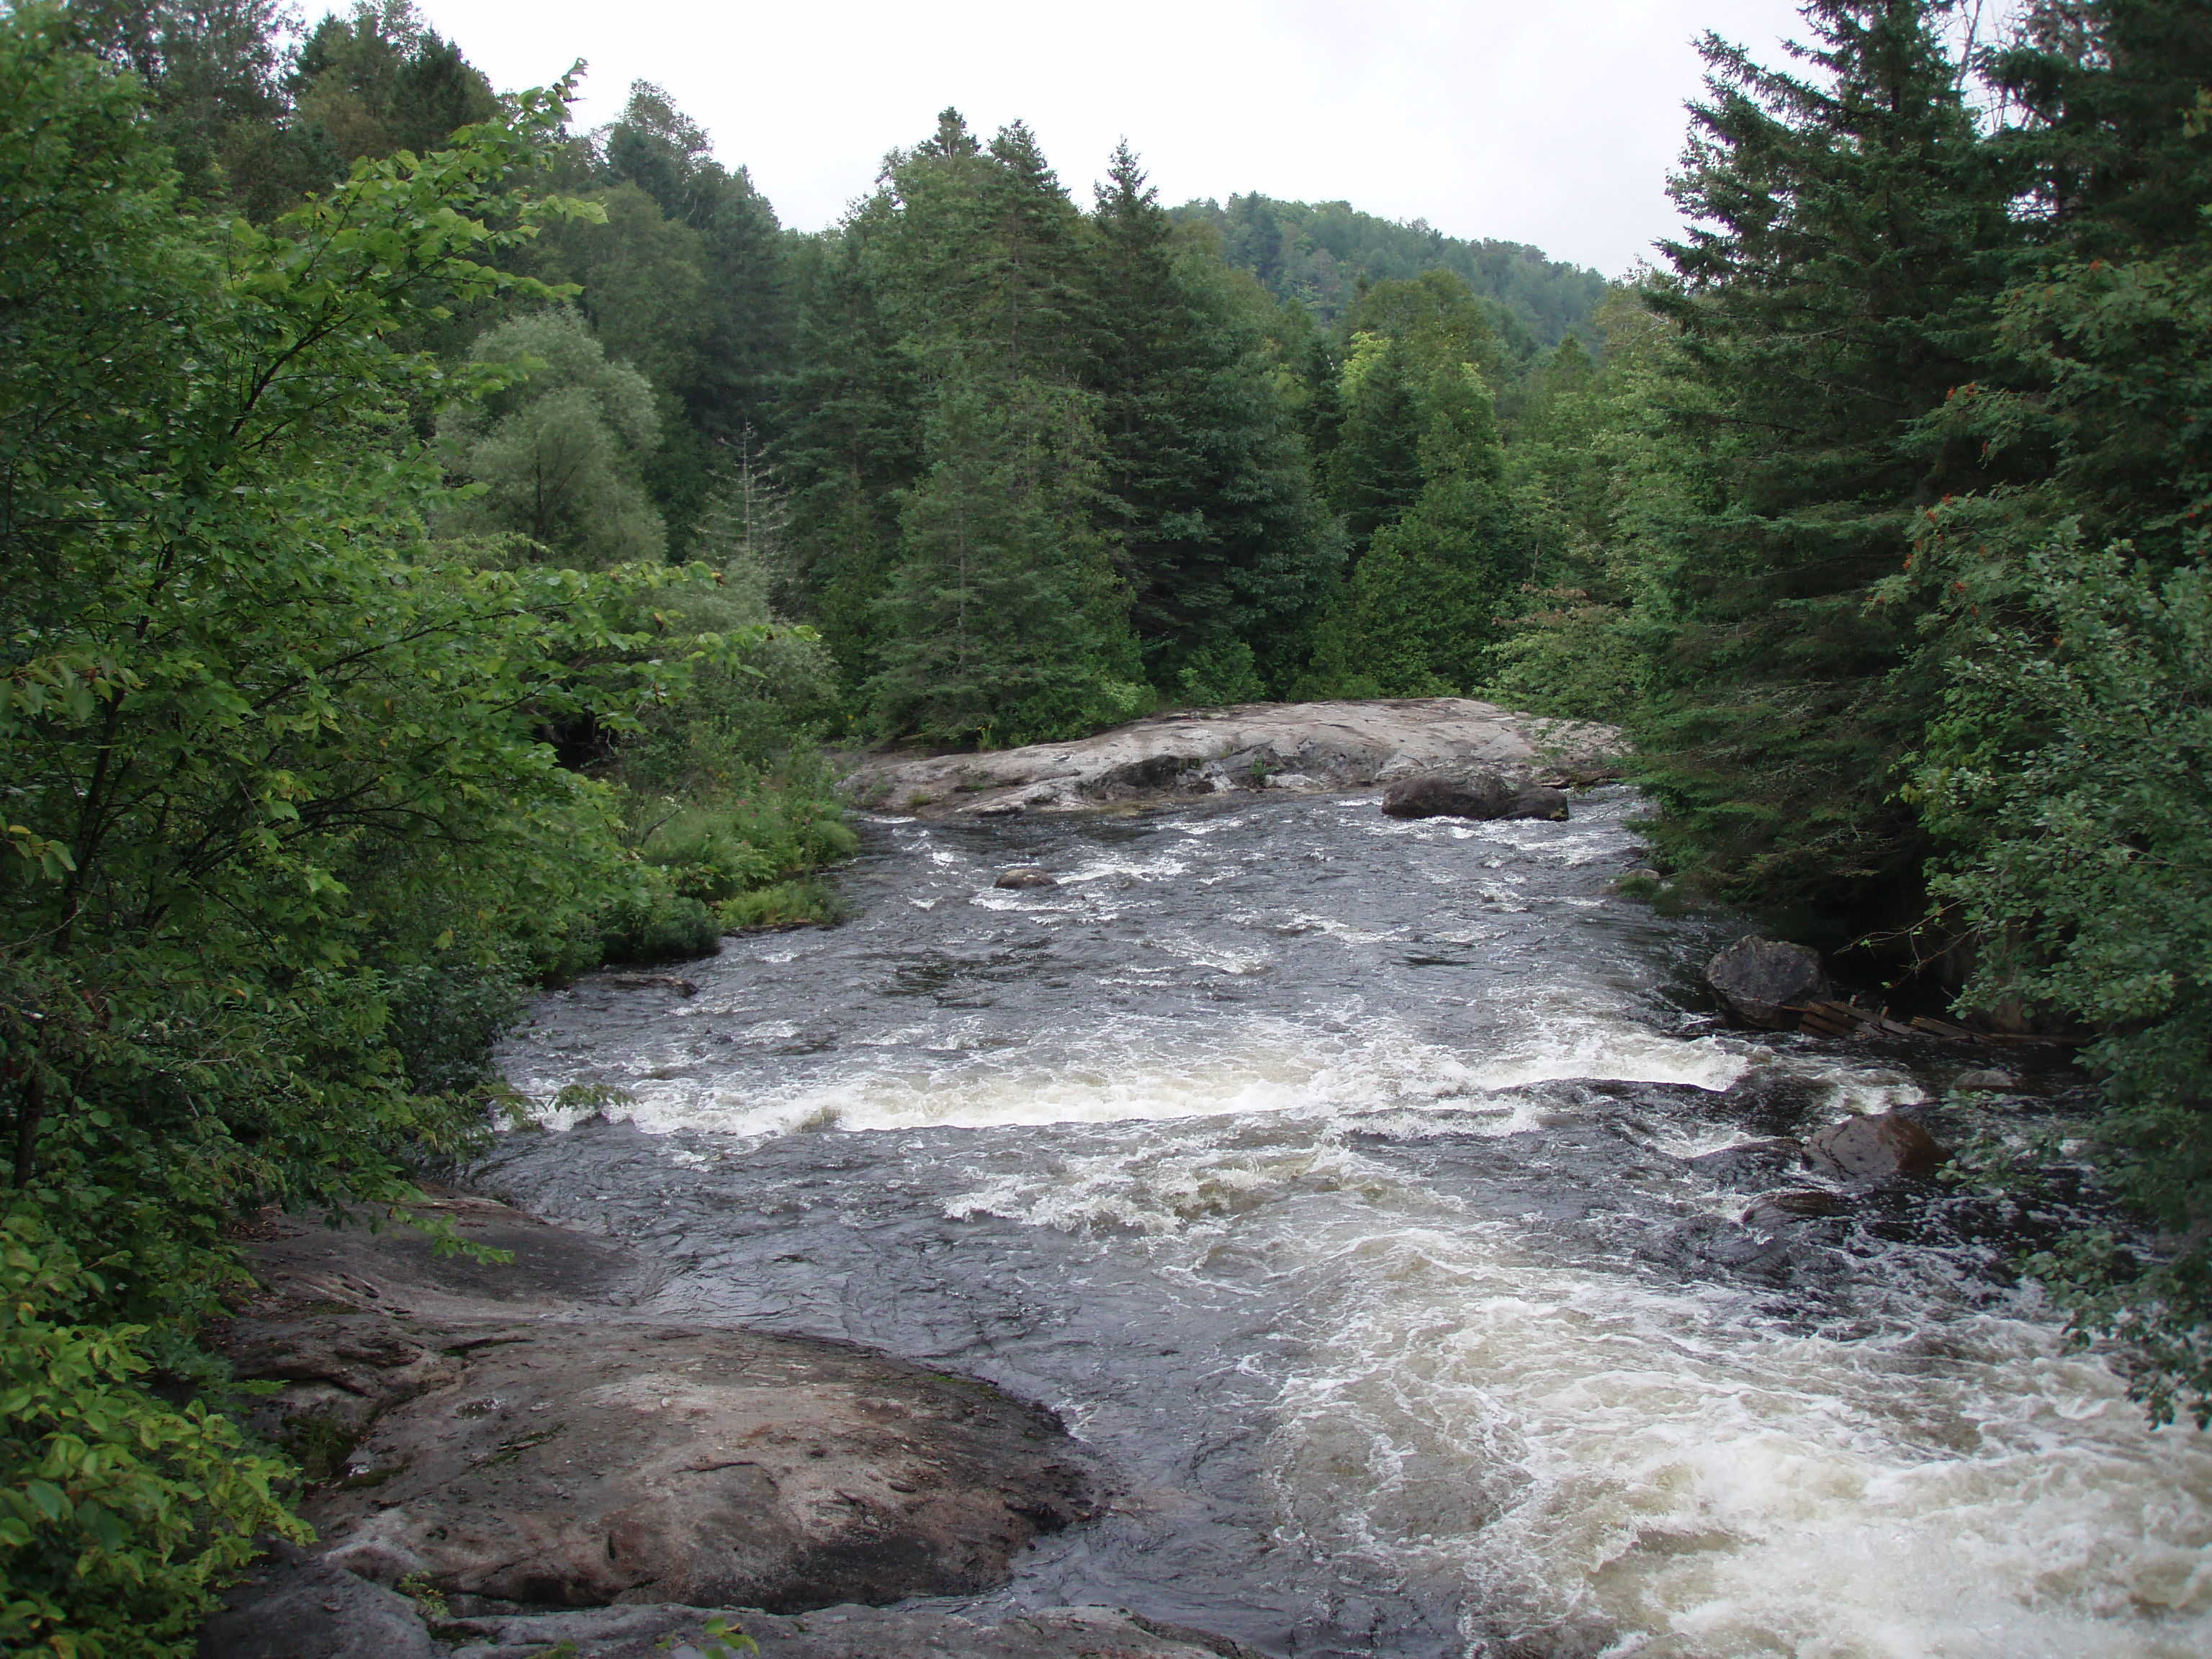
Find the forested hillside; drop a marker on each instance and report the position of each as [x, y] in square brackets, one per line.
[1322, 253]
[438, 541]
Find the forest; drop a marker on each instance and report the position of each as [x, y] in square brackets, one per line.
[442, 547]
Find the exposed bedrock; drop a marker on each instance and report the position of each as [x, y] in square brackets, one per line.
[1303, 747]
[511, 1438]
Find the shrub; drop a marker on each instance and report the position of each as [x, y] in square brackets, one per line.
[119, 1514]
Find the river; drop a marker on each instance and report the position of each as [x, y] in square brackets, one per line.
[1339, 1180]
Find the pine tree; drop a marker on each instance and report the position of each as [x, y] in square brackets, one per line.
[1375, 471]
[742, 327]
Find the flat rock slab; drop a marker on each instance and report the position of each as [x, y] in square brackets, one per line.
[1301, 746]
[849, 1632]
[310, 1609]
[511, 1438]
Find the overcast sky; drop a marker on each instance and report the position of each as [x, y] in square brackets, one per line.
[1551, 122]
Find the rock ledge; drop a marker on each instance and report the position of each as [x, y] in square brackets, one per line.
[1299, 747]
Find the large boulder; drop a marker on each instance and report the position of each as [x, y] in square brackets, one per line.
[1480, 795]
[1768, 981]
[1877, 1146]
[508, 1436]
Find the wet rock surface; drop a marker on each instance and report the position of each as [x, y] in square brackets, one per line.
[303, 1608]
[1481, 796]
[1768, 981]
[1256, 747]
[1881, 1146]
[515, 1437]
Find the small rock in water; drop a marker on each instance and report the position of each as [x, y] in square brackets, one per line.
[1004, 809]
[1539, 801]
[1989, 1081]
[1880, 1146]
[1768, 981]
[1480, 795]
[1027, 876]
[683, 988]
[1772, 1210]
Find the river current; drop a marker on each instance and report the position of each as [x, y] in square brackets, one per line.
[1346, 1185]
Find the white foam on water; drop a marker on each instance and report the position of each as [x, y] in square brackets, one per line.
[1163, 1071]
[1606, 1465]
[1580, 1047]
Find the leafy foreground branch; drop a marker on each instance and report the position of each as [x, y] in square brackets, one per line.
[284, 836]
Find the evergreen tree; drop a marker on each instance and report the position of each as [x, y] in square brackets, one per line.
[1421, 612]
[380, 80]
[852, 425]
[1004, 623]
[1849, 230]
[1375, 470]
[1224, 543]
[742, 330]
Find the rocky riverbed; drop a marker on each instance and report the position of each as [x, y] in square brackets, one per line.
[1355, 1234]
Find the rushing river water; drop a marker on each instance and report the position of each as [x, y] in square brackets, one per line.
[1340, 1181]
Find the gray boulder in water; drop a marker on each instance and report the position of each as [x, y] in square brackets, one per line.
[1026, 876]
[1481, 795]
[1881, 1146]
[1767, 980]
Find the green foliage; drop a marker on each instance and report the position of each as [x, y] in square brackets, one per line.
[121, 1514]
[2070, 763]
[781, 904]
[1323, 255]
[282, 835]
[1227, 546]
[379, 80]
[555, 452]
[653, 925]
[1006, 622]
[1817, 333]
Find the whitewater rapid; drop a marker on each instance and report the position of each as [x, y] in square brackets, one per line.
[1337, 1179]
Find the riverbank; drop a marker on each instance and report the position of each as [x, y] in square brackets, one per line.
[511, 1455]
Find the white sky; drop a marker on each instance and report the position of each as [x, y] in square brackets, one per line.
[1550, 124]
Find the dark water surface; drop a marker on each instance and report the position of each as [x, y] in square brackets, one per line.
[1333, 1177]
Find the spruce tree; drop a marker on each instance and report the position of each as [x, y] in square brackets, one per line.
[1004, 623]
[1421, 610]
[1849, 233]
[1223, 541]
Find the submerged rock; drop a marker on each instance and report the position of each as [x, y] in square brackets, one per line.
[1990, 1082]
[676, 982]
[1770, 1211]
[1028, 876]
[1880, 1146]
[1768, 981]
[1750, 1165]
[526, 1447]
